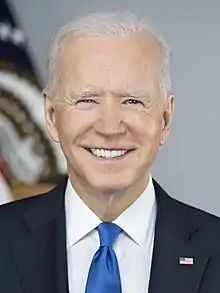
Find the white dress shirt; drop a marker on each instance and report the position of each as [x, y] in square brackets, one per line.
[133, 247]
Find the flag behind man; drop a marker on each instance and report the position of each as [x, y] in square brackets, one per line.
[5, 191]
[33, 162]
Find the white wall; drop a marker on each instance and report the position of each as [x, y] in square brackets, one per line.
[188, 166]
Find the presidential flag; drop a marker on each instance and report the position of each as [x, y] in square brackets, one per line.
[33, 162]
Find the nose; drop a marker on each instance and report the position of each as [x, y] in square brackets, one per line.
[110, 120]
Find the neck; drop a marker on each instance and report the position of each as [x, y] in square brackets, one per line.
[110, 204]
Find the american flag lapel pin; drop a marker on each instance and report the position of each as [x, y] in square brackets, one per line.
[186, 260]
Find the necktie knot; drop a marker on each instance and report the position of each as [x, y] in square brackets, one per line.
[108, 232]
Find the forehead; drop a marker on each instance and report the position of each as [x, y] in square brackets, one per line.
[109, 59]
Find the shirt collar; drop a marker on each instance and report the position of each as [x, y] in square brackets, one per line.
[137, 221]
[80, 220]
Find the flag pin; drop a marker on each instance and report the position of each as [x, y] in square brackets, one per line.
[186, 260]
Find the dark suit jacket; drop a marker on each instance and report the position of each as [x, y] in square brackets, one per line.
[33, 246]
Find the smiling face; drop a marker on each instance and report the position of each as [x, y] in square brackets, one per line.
[107, 114]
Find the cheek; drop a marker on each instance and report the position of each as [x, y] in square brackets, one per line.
[146, 125]
[72, 123]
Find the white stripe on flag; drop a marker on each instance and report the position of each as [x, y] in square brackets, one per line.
[5, 192]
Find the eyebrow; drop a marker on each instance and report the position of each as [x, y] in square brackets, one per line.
[86, 94]
[95, 93]
[131, 93]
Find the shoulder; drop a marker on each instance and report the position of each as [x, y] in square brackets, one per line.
[12, 214]
[205, 227]
[14, 210]
[195, 214]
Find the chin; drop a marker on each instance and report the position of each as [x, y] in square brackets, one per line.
[107, 185]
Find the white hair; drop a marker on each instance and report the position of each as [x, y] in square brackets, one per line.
[112, 24]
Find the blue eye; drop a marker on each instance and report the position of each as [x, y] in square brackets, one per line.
[133, 102]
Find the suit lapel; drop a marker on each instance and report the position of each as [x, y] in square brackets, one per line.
[174, 238]
[40, 256]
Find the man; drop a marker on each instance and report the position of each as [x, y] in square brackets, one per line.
[109, 227]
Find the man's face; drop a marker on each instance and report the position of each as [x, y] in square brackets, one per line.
[107, 114]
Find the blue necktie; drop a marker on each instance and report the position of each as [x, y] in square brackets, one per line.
[104, 274]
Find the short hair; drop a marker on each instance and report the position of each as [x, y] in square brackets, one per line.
[112, 24]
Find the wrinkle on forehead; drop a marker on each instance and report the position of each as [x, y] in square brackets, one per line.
[93, 58]
[142, 43]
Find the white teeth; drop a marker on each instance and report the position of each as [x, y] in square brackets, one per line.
[108, 153]
[101, 153]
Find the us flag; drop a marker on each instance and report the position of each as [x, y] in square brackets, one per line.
[186, 261]
[33, 163]
[5, 190]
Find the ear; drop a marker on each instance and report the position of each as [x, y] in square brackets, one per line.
[50, 117]
[167, 118]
